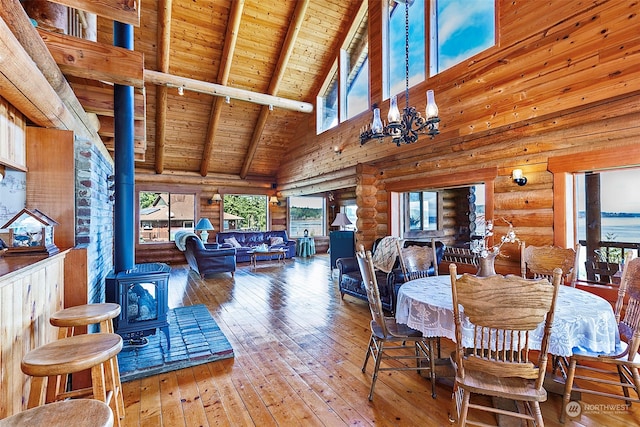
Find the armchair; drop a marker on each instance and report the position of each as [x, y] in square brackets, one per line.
[209, 259]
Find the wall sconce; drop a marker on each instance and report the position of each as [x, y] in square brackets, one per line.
[337, 150]
[216, 198]
[2, 172]
[274, 200]
[180, 90]
[518, 177]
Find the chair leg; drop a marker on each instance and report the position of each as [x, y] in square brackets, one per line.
[567, 389]
[378, 358]
[432, 367]
[537, 413]
[462, 416]
[369, 350]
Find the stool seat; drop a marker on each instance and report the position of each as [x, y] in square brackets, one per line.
[76, 413]
[71, 354]
[83, 315]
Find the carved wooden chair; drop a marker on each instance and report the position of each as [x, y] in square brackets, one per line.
[407, 343]
[620, 369]
[495, 361]
[539, 262]
[418, 261]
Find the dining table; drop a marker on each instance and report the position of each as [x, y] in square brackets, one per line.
[581, 319]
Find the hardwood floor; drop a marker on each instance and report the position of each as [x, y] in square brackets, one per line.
[298, 353]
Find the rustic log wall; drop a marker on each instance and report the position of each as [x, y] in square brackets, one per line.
[556, 84]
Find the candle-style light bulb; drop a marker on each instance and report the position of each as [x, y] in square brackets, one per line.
[394, 113]
[432, 108]
[376, 126]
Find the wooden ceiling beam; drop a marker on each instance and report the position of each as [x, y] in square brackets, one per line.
[21, 29]
[283, 60]
[95, 61]
[169, 80]
[164, 44]
[99, 100]
[223, 77]
[125, 11]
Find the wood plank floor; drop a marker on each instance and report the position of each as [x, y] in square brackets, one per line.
[298, 354]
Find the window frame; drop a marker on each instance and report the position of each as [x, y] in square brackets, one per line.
[323, 220]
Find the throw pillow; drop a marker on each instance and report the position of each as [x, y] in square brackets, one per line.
[233, 242]
[276, 241]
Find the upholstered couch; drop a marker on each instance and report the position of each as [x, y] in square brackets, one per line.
[248, 240]
[208, 259]
[350, 279]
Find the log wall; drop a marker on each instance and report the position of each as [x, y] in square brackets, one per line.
[556, 84]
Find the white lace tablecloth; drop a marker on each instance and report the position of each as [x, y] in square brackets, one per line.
[581, 319]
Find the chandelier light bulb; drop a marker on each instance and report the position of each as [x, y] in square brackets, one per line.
[394, 113]
[432, 108]
[376, 126]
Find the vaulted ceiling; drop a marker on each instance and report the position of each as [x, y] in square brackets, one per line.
[274, 53]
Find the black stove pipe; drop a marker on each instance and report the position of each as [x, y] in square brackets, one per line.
[124, 217]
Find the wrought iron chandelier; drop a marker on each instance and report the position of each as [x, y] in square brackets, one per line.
[403, 129]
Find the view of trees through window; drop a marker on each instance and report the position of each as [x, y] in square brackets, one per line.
[162, 214]
[245, 212]
[306, 213]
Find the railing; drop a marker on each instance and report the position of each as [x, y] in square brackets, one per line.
[605, 265]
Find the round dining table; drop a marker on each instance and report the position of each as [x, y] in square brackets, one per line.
[581, 319]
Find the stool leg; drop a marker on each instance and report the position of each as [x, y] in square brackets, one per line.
[113, 383]
[98, 383]
[37, 394]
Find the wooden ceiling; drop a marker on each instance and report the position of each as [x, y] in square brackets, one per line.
[276, 52]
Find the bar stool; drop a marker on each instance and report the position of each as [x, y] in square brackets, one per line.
[84, 315]
[70, 355]
[76, 413]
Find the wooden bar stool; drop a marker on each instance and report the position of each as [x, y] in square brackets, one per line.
[84, 315]
[76, 413]
[70, 355]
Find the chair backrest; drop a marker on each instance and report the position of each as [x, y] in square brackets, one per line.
[416, 261]
[540, 261]
[629, 326]
[365, 262]
[503, 310]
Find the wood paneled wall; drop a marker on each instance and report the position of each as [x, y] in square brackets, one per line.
[565, 83]
[28, 297]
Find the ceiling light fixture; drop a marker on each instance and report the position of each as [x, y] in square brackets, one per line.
[406, 128]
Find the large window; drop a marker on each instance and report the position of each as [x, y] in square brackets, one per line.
[327, 102]
[162, 214]
[245, 212]
[354, 66]
[306, 213]
[459, 30]
[395, 59]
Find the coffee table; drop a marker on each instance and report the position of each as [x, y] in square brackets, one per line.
[255, 254]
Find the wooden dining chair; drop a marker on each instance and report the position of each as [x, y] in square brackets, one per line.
[406, 343]
[538, 262]
[588, 370]
[501, 312]
[418, 261]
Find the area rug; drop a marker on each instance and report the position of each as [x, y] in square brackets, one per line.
[195, 339]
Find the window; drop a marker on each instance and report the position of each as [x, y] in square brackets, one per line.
[354, 66]
[245, 212]
[306, 213]
[459, 30]
[350, 212]
[327, 103]
[421, 211]
[162, 214]
[395, 59]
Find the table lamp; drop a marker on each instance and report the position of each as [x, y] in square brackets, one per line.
[340, 221]
[203, 226]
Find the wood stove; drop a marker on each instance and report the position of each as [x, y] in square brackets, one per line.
[142, 295]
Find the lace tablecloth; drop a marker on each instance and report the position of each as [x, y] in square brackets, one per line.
[581, 319]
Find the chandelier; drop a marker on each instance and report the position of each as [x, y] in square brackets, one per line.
[403, 129]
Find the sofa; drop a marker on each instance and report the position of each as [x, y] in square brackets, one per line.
[248, 240]
[208, 258]
[350, 279]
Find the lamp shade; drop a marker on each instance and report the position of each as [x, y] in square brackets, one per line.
[204, 224]
[216, 197]
[273, 200]
[341, 220]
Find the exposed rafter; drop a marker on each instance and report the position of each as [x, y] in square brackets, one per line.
[223, 77]
[165, 79]
[164, 41]
[287, 48]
